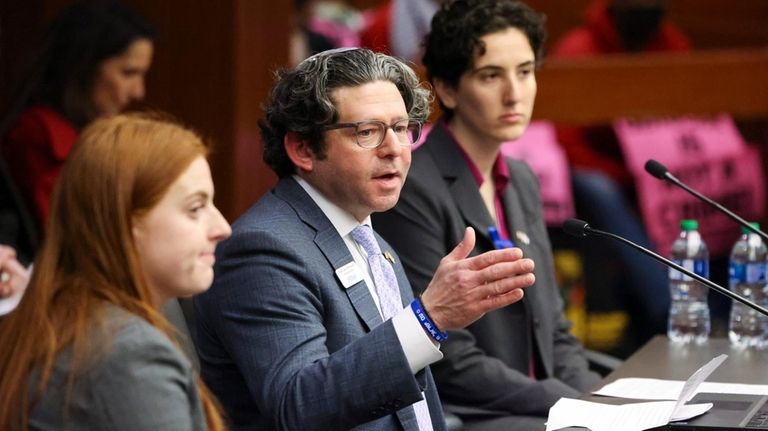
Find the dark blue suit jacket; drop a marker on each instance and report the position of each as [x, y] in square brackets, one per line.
[284, 345]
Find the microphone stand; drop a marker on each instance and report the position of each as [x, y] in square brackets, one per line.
[661, 172]
[587, 229]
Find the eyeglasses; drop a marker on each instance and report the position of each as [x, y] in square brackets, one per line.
[370, 133]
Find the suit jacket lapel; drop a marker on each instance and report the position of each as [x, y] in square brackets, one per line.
[514, 213]
[332, 246]
[461, 184]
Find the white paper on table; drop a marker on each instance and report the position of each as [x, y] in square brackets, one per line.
[689, 411]
[693, 382]
[636, 416]
[569, 412]
[656, 389]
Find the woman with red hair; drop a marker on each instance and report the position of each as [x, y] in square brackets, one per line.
[132, 225]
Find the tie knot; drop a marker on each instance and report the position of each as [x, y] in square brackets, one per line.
[363, 235]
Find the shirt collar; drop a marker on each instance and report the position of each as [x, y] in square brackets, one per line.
[342, 220]
[500, 170]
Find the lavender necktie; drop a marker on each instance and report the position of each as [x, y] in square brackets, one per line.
[385, 282]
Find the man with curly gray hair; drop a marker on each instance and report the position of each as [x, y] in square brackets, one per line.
[311, 323]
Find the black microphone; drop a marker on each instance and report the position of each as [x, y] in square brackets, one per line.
[581, 228]
[661, 172]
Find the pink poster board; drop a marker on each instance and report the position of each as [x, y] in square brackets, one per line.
[677, 139]
[708, 155]
[539, 148]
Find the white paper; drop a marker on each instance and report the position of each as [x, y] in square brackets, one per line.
[636, 416]
[655, 389]
[606, 417]
[693, 382]
[689, 411]
[568, 412]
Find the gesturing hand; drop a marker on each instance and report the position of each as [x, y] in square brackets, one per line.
[463, 289]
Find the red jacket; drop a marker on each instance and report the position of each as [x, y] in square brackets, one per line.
[597, 36]
[35, 149]
[376, 34]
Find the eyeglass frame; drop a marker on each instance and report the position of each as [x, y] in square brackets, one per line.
[357, 124]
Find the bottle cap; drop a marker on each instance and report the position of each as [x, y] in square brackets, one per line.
[689, 224]
[746, 231]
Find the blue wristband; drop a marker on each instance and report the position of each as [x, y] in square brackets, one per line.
[426, 322]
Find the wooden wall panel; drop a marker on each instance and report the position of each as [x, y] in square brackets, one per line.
[191, 76]
[597, 91]
[714, 24]
[710, 24]
[261, 48]
[214, 64]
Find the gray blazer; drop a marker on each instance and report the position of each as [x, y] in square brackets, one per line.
[134, 379]
[485, 368]
[284, 345]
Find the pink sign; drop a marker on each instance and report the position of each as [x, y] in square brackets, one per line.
[708, 155]
[539, 148]
[670, 140]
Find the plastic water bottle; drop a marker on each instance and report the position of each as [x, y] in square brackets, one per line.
[689, 313]
[746, 277]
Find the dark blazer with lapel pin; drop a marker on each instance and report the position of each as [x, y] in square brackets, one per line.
[284, 345]
[485, 368]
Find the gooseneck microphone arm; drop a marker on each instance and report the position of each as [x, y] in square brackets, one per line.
[661, 172]
[580, 228]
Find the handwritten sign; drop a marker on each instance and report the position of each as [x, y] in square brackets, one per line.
[539, 148]
[707, 154]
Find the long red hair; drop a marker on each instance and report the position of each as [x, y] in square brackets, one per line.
[119, 169]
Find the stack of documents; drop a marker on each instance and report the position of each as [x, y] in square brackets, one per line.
[637, 416]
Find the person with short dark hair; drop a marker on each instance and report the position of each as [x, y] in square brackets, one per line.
[507, 369]
[311, 323]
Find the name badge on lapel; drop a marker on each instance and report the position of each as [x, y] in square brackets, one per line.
[349, 275]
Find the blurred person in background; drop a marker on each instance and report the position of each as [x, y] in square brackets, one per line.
[412, 18]
[603, 187]
[322, 25]
[92, 63]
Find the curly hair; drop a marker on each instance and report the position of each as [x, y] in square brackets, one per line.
[459, 25]
[301, 99]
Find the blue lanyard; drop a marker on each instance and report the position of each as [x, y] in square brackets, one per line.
[499, 243]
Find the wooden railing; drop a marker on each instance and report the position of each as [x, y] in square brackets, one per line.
[598, 90]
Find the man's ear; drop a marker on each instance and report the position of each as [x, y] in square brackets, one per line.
[445, 92]
[299, 152]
